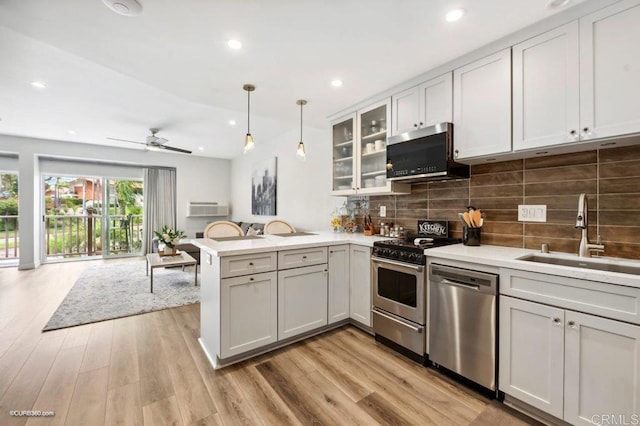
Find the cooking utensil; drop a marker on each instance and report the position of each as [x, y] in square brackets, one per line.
[467, 219]
[477, 217]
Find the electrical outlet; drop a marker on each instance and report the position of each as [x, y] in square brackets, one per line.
[383, 211]
[532, 212]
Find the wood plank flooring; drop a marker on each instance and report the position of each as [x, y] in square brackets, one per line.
[149, 370]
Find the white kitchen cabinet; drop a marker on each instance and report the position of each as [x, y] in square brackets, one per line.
[602, 368]
[338, 292]
[344, 159]
[482, 107]
[610, 71]
[571, 365]
[360, 284]
[249, 312]
[546, 92]
[359, 163]
[532, 353]
[302, 300]
[424, 105]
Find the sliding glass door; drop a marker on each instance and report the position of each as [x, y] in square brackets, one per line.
[88, 216]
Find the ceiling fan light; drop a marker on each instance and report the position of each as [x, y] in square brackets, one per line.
[248, 143]
[301, 153]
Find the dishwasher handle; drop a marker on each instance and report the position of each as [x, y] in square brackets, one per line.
[456, 284]
[482, 282]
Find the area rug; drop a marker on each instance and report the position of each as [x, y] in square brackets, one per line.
[116, 290]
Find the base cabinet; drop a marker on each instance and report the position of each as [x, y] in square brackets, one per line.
[574, 366]
[339, 266]
[249, 313]
[360, 284]
[302, 300]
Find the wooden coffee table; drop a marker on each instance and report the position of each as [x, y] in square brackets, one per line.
[154, 260]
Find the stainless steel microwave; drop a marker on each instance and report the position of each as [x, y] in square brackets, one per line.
[424, 154]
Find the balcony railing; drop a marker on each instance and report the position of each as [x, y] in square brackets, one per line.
[81, 235]
[9, 240]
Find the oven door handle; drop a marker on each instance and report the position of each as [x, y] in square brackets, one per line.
[391, 262]
[404, 323]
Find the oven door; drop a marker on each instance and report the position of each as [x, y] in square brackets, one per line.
[398, 288]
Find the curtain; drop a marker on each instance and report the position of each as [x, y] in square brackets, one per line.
[159, 202]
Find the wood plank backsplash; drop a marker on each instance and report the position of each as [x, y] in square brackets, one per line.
[609, 177]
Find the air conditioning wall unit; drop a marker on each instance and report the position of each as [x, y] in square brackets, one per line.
[206, 209]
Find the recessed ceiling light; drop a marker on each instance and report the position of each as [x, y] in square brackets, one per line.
[38, 84]
[201, 148]
[234, 44]
[454, 15]
[232, 122]
[124, 7]
[557, 4]
[71, 132]
[336, 83]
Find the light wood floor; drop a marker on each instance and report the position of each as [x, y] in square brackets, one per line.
[149, 369]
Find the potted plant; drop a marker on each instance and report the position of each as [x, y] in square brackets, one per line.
[169, 238]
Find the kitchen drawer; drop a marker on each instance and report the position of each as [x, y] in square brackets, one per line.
[234, 266]
[301, 257]
[594, 297]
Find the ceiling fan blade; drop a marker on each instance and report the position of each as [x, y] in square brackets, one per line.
[125, 140]
[171, 148]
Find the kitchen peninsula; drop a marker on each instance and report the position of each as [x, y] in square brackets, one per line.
[260, 293]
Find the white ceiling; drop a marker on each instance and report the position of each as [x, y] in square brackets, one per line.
[109, 75]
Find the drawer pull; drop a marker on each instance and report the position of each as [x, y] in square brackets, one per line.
[557, 321]
[251, 279]
[571, 324]
[250, 263]
[304, 257]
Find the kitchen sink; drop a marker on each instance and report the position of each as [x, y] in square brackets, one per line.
[597, 264]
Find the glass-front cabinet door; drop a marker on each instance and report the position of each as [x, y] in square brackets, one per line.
[372, 147]
[344, 158]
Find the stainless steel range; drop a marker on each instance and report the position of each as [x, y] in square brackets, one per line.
[398, 269]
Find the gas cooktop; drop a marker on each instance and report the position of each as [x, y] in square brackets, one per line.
[411, 249]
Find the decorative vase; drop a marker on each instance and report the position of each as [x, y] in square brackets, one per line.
[169, 250]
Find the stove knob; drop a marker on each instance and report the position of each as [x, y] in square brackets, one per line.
[403, 255]
[414, 257]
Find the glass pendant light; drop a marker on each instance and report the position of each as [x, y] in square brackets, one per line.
[248, 140]
[300, 153]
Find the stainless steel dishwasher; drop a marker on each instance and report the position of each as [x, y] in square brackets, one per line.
[462, 322]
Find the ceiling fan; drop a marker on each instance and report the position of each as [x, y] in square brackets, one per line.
[155, 142]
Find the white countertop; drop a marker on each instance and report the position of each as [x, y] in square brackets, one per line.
[266, 243]
[507, 257]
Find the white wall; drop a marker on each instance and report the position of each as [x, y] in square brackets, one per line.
[303, 187]
[198, 179]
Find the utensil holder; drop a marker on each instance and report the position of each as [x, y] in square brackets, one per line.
[471, 236]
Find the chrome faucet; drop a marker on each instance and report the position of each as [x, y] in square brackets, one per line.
[585, 248]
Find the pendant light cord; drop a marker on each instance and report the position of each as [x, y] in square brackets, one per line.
[301, 104]
[248, 111]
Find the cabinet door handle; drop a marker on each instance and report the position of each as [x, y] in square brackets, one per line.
[304, 257]
[587, 133]
[250, 263]
[251, 279]
[456, 153]
[557, 321]
[415, 125]
[421, 123]
[571, 324]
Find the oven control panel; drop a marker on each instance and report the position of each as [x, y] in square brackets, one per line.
[400, 255]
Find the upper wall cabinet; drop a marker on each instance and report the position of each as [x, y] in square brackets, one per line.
[344, 158]
[424, 105]
[610, 71]
[546, 93]
[482, 107]
[359, 153]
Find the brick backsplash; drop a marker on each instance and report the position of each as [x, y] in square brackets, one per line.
[609, 177]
